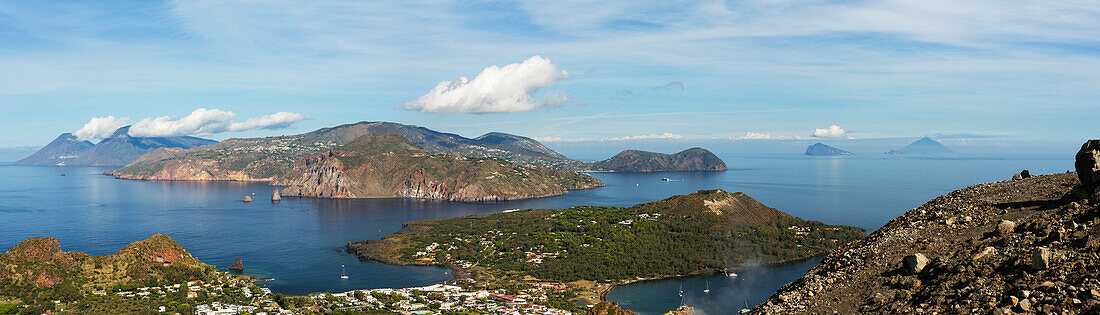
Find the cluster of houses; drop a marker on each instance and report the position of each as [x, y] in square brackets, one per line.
[438, 298]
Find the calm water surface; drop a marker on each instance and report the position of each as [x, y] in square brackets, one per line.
[296, 240]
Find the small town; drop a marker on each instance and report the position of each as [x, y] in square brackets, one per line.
[239, 295]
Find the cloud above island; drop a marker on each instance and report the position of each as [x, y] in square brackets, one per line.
[199, 122]
[100, 127]
[833, 131]
[506, 89]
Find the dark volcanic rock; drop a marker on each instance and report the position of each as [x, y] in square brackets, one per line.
[237, 265]
[1088, 165]
[821, 149]
[978, 268]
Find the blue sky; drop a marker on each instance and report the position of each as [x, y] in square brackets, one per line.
[997, 71]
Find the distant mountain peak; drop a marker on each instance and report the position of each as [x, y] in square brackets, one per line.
[924, 145]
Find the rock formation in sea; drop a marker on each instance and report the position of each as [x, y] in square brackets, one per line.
[275, 196]
[247, 199]
[821, 149]
[238, 265]
[1016, 246]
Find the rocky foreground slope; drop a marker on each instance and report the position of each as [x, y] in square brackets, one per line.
[1028, 245]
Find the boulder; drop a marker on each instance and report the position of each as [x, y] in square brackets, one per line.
[1040, 258]
[915, 263]
[1006, 227]
[247, 199]
[237, 265]
[1021, 175]
[1087, 164]
[275, 196]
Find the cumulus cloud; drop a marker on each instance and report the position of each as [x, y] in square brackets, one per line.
[755, 136]
[278, 120]
[665, 135]
[833, 131]
[201, 121]
[100, 127]
[496, 90]
[649, 136]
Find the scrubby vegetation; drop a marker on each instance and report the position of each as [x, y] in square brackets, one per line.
[679, 235]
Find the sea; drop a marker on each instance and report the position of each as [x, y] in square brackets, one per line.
[298, 241]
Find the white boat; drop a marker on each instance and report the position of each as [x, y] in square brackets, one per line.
[343, 272]
[665, 179]
[730, 274]
[707, 290]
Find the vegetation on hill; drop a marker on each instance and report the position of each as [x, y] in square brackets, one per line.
[387, 165]
[694, 159]
[683, 234]
[36, 271]
[266, 159]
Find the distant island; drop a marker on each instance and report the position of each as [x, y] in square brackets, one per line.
[922, 146]
[387, 165]
[821, 149]
[694, 159]
[117, 150]
[266, 159]
[709, 230]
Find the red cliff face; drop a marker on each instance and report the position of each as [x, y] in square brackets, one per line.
[377, 166]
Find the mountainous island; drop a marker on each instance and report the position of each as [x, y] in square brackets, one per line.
[922, 146]
[1019, 246]
[694, 159]
[705, 231]
[267, 159]
[388, 165]
[821, 149]
[117, 150]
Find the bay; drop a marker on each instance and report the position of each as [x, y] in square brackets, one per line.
[296, 240]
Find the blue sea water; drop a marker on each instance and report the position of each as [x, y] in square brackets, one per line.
[296, 241]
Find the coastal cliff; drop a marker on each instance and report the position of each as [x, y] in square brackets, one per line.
[387, 165]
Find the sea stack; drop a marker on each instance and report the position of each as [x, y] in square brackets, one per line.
[247, 199]
[237, 265]
[275, 196]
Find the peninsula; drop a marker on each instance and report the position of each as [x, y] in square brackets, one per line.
[705, 231]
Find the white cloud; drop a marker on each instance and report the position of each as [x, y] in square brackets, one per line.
[665, 135]
[496, 90]
[833, 131]
[649, 136]
[274, 121]
[204, 121]
[100, 127]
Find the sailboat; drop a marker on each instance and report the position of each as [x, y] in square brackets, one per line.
[343, 272]
[707, 290]
[681, 290]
